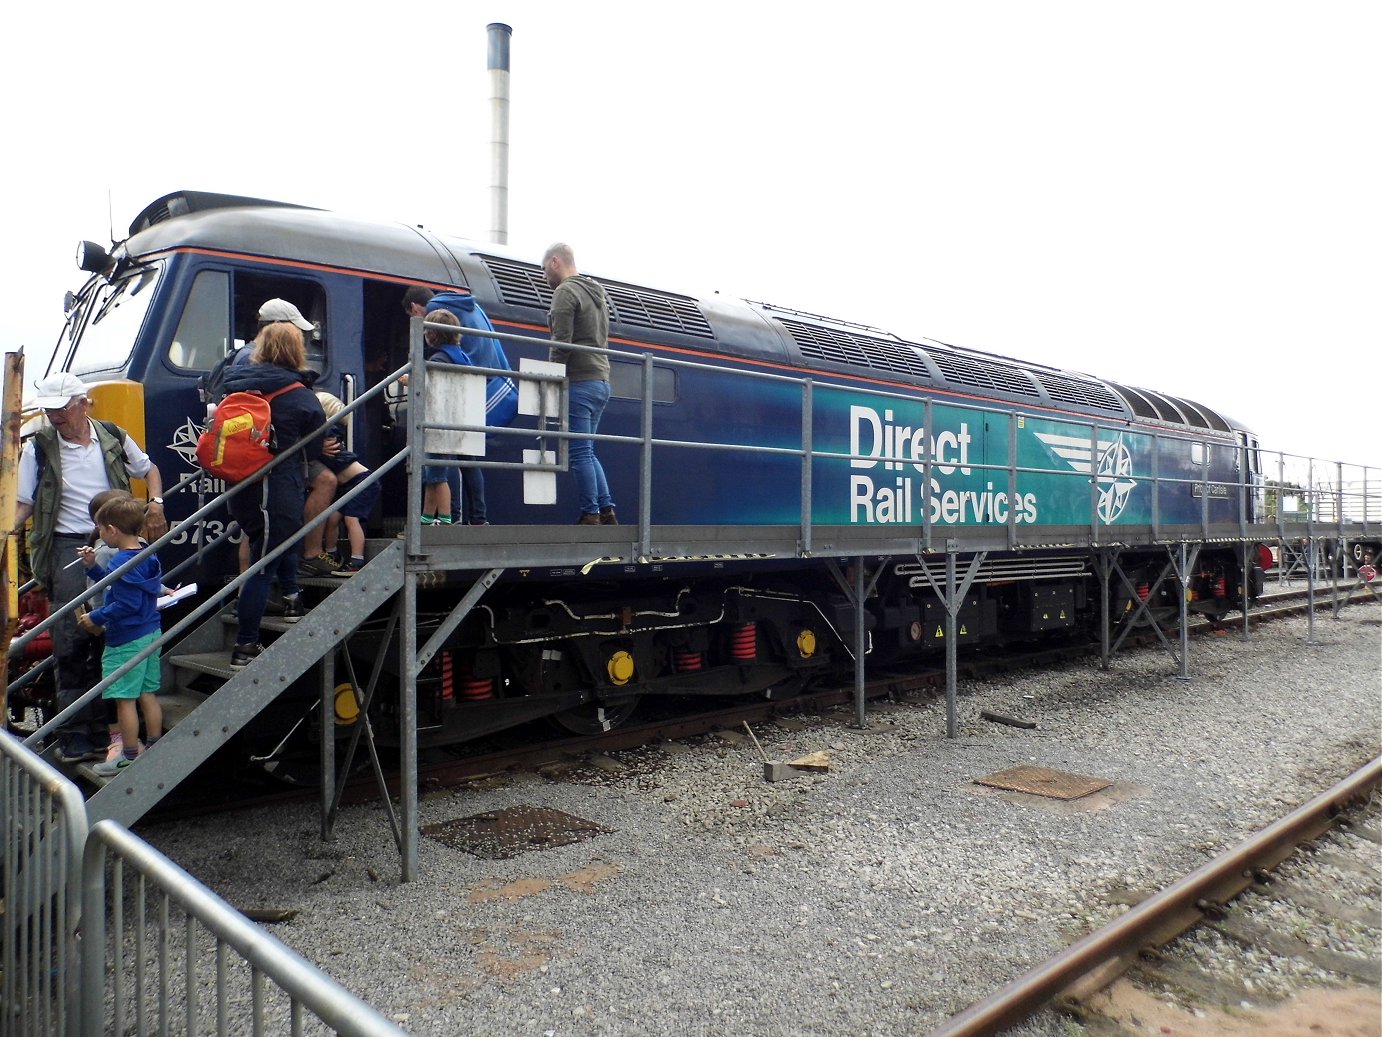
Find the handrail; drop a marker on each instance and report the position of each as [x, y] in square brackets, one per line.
[215, 599]
[212, 603]
[1246, 485]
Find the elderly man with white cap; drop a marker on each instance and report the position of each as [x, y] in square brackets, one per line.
[64, 465]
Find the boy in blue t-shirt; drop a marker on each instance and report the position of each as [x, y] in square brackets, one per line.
[130, 622]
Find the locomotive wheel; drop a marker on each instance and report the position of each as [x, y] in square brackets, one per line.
[595, 718]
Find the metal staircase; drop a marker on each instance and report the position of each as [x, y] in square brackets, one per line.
[193, 735]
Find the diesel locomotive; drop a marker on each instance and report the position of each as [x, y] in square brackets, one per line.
[878, 451]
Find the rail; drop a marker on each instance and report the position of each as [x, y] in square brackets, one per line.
[1215, 882]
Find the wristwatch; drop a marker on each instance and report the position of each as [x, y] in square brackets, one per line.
[156, 500]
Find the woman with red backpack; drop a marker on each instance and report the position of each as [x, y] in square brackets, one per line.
[271, 513]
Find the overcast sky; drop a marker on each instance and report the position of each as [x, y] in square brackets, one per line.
[1181, 196]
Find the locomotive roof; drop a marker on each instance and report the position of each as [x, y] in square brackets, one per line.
[260, 227]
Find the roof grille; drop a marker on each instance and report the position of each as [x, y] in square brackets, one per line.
[522, 284]
[1084, 394]
[961, 370]
[844, 347]
[647, 309]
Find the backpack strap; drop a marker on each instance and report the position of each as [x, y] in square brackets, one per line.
[279, 392]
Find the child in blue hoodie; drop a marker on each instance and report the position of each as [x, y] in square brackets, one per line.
[130, 622]
[501, 394]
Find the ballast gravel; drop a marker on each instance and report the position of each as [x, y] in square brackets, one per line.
[877, 898]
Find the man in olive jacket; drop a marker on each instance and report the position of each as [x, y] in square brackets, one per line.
[62, 467]
[580, 316]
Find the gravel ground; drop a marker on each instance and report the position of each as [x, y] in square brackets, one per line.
[875, 899]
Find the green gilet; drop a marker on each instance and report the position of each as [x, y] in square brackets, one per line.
[48, 454]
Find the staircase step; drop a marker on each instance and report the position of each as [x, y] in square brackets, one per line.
[274, 623]
[215, 663]
[246, 692]
[177, 705]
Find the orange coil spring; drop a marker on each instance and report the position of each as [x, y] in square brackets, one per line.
[743, 642]
[446, 663]
[1221, 587]
[687, 661]
[1143, 591]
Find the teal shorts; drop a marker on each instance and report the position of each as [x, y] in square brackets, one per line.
[144, 679]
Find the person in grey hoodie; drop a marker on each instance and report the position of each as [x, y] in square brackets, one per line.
[580, 316]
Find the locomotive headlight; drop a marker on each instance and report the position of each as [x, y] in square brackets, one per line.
[806, 643]
[91, 257]
[620, 667]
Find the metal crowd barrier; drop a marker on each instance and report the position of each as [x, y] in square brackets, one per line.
[44, 821]
[170, 940]
[157, 953]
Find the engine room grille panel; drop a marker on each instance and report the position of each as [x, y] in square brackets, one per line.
[962, 370]
[1085, 394]
[646, 309]
[522, 284]
[842, 347]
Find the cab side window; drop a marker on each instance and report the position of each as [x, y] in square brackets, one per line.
[254, 288]
[203, 334]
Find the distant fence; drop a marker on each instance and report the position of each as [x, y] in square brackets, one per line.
[103, 934]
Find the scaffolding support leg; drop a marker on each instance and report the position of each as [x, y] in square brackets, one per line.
[952, 653]
[953, 596]
[1310, 590]
[407, 715]
[328, 741]
[859, 634]
[1246, 570]
[1183, 574]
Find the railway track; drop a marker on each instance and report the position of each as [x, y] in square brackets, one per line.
[1276, 876]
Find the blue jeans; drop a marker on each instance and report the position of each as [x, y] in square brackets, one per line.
[588, 401]
[269, 515]
[473, 497]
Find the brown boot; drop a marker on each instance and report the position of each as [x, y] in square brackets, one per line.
[588, 520]
[607, 517]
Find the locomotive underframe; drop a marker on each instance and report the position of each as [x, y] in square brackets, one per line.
[586, 653]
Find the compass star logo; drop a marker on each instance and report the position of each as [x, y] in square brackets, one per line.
[1115, 480]
[185, 443]
[1113, 471]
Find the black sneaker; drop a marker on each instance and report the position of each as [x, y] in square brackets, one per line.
[242, 655]
[293, 609]
[77, 748]
[321, 565]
